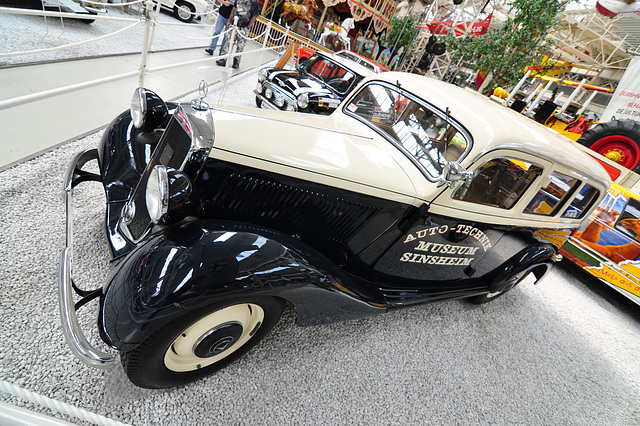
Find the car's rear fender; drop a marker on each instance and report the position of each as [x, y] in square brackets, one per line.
[201, 262]
[537, 259]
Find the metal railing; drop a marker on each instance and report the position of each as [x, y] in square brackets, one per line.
[268, 36]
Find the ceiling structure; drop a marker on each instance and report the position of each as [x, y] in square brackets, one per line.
[598, 46]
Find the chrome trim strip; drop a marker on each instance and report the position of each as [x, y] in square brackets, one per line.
[76, 340]
[266, 103]
[288, 97]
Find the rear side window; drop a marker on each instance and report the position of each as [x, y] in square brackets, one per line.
[500, 182]
[550, 198]
[582, 203]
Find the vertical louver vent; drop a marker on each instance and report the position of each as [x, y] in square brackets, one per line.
[292, 209]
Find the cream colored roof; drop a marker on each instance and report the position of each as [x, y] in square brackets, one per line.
[492, 125]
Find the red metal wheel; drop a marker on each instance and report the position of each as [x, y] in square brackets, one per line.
[620, 149]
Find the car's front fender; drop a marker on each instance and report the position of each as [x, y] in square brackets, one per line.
[198, 263]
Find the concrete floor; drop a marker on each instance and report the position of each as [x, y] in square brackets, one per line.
[34, 126]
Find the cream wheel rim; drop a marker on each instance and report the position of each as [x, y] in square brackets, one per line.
[214, 337]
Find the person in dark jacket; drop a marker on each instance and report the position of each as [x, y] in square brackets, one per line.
[246, 12]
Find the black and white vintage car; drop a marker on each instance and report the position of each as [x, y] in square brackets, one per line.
[317, 85]
[413, 191]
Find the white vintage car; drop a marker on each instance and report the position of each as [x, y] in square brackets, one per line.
[185, 10]
[412, 191]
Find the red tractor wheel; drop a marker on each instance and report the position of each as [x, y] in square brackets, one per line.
[618, 140]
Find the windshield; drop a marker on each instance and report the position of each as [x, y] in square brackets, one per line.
[331, 73]
[422, 133]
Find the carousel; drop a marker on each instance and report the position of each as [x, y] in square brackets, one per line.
[355, 25]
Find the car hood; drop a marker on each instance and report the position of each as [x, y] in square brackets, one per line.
[298, 83]
[314, 148]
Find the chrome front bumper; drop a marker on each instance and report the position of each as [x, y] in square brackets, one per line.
[76, 340]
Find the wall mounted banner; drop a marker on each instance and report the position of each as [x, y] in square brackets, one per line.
[625, 101]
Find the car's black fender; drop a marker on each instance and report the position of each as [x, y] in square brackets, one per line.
[536, 258]
[197, 263]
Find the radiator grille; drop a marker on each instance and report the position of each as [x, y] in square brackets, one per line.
[179, 142]
[291, 208]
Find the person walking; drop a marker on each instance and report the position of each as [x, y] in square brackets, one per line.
[246, 12]
[224, 12]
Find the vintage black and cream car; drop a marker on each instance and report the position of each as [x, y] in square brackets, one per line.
[317, 85]
[413, 191]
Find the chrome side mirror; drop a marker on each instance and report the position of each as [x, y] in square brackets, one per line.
[454, 173]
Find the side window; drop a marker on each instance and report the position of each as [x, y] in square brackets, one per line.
[549, 199]
[500, 182]
[422, 133]
[582, 203]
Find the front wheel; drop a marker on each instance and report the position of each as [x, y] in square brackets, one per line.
[201, 342]
[618, 140]
[184, 11]
[258, 101]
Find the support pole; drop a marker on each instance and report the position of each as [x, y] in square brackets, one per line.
[531, 107]
[571, 98]
[518, 86]
[232, 46]
[145, 41]
[533, 93]
[586, 104]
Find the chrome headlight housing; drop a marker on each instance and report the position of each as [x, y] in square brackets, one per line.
[262, 75]
[148, 110]
[157, 193]
[279, 101]
[268, 92]
[169, 196]
[303, 100]
[259, 87]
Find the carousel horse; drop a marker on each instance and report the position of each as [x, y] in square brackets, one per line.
[293, 11]
[339, 33]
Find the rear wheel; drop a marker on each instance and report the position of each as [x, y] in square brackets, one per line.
[510, 283]
[89, 21]
[618, 140]
[201, 342]
[184, 11]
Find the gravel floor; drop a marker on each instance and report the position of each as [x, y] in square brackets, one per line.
[20, 33]
[560, 353]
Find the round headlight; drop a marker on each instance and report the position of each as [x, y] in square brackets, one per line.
[157, 193]
[279, 101]
[148, 110]
[303, 100]
[138, 107]
[268, 92]
[291, 107]
[262, 75]
[259, 87]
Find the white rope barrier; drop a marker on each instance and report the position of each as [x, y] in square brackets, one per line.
[45, 13]
[256, 37]
[67, 46]
[277, 39]
[159, 25]
[57, 406]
